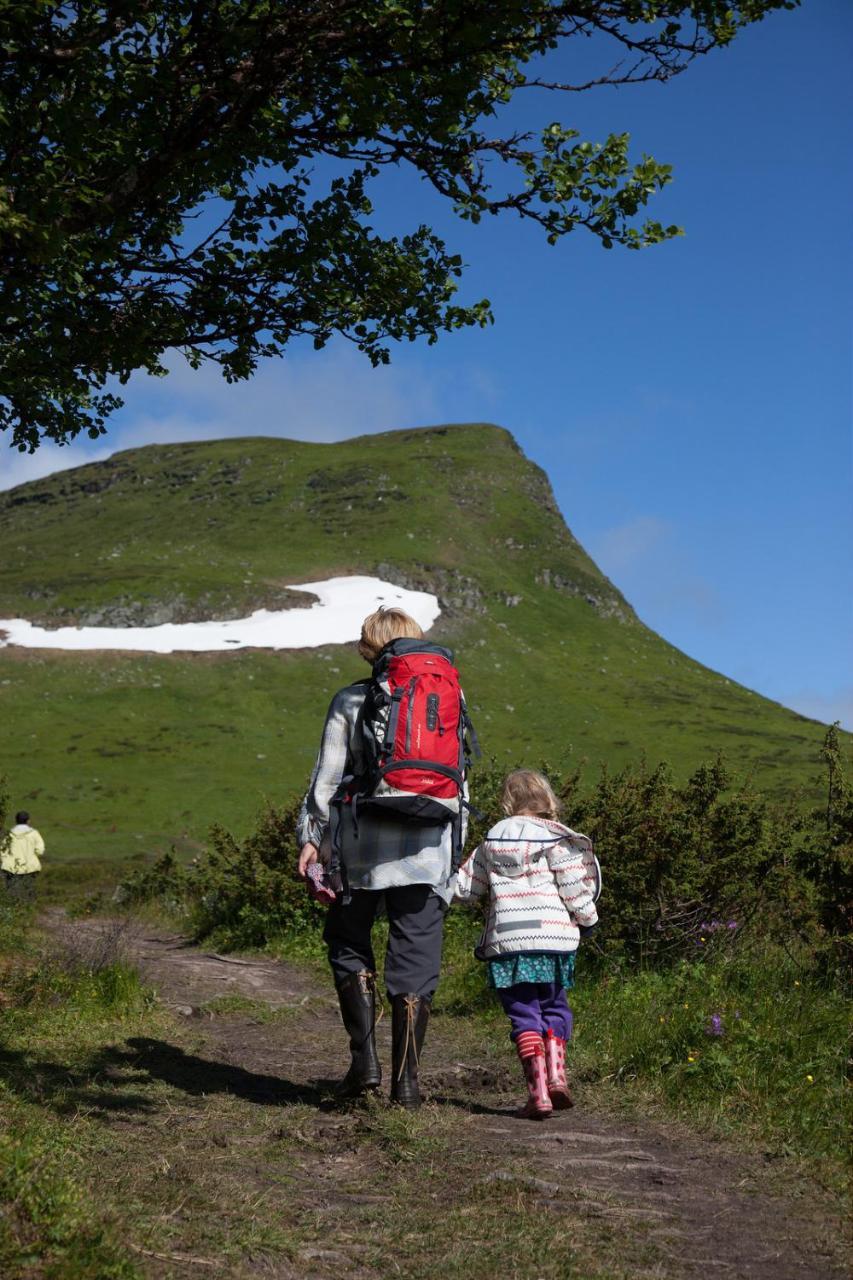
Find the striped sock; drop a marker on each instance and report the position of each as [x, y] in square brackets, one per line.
[529, 1044]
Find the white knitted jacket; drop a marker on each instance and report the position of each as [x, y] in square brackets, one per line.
[542, 880]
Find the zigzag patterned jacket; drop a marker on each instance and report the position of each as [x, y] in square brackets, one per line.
[542, 880]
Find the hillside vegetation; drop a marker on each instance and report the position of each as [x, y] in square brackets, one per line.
[119, 754]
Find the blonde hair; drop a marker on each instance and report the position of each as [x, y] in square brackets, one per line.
[526, 791]
[383, 626]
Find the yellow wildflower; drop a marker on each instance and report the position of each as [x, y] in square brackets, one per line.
[810, 1079]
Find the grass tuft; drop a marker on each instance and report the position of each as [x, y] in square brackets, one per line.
[47, 1225]
[749, 1044]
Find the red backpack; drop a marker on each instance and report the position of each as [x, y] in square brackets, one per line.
[415, 736]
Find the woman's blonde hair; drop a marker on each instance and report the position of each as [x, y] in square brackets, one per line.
[383, 626]
[526, 791]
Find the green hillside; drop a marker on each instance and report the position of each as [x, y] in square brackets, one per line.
[116, 753]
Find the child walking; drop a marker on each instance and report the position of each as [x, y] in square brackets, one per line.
[542, 880]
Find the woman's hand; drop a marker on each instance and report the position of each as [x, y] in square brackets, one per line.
[310, 853]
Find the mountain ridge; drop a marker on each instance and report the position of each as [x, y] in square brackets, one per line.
[555, 661]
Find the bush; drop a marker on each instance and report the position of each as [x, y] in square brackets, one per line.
[47, 1227]
[243, 893]
[824, 843]
[686, 867]
[689, 869]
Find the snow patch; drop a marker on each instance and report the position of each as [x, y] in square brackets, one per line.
[336, 618]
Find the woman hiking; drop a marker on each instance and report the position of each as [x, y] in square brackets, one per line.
[386, 832]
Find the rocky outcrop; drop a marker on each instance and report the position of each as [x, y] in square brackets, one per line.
[147, 611]
[458, 595]
[607, 606]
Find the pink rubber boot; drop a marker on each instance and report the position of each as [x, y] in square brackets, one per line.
[531, 1051]
[555, 1060]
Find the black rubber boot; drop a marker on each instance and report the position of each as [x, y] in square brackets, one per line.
[409, 1018]
[357, 996]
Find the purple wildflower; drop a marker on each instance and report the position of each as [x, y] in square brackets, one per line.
[731, 924]
[715, 1025]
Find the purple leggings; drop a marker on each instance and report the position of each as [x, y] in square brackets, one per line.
[537, 1006]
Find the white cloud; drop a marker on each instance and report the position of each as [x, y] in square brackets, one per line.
[333, 395]
[626, 545]
[19, 468]
[328, 395]
[645, 558]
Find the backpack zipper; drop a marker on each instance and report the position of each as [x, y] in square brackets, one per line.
[410, 693]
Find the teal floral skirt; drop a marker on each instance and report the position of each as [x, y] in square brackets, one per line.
[550, 967]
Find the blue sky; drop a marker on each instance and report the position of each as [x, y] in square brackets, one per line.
[691, 403]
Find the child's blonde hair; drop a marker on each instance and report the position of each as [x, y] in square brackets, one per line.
[383, 626]
[526, 791]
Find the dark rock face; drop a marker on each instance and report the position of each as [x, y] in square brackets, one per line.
[606, 606]
[127, 611]
[458, 595]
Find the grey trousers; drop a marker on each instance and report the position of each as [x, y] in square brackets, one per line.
[415, 929]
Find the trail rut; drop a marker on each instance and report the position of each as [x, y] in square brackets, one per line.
[683, 1206]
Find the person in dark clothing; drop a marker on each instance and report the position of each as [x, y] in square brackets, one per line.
[386, 859]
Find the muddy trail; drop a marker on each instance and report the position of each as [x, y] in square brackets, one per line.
[249, 1167]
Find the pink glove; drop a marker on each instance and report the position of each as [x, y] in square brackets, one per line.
[317, 886]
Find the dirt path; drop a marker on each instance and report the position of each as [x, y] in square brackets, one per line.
[660, 1204]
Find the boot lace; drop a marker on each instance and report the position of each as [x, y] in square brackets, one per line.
[411, 1006]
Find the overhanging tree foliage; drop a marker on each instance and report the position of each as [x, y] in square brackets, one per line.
[196, 175]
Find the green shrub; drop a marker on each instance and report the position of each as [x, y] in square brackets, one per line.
[699, 867]
[685, 866]
[688, 869]
[47, 1225]
[243, 893]
[824, 842]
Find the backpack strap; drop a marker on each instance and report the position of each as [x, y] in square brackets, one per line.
[456, 857]
[394, 715]
[470, 731]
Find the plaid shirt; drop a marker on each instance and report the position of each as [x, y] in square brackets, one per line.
[385, 852]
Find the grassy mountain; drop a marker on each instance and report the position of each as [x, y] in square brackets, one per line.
[116, 752]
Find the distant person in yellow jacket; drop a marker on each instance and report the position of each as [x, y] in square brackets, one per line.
[20, 856]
